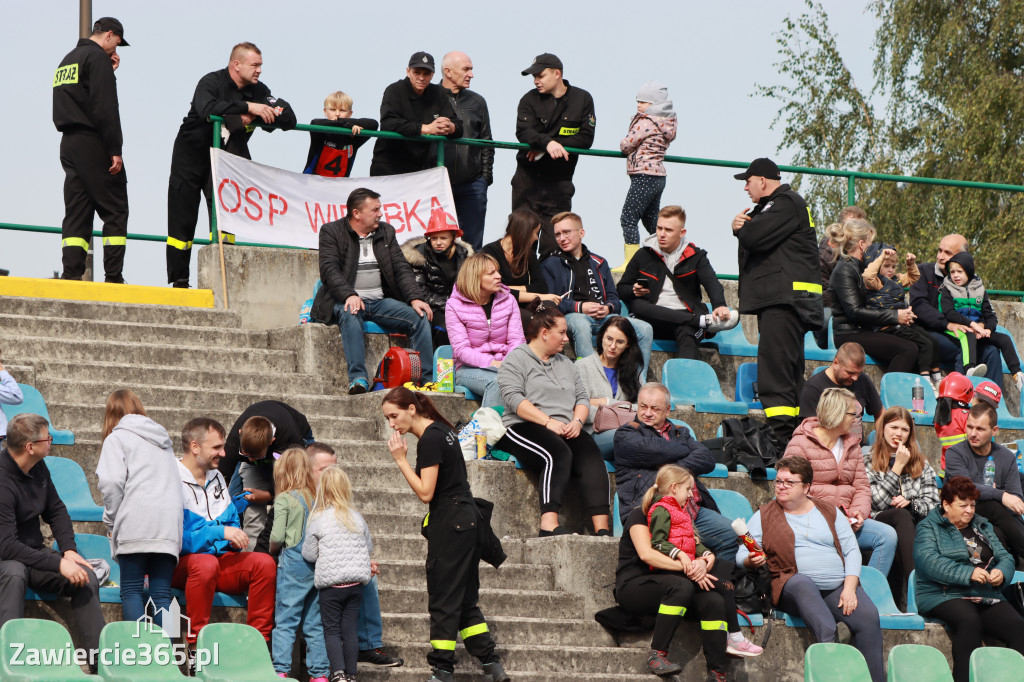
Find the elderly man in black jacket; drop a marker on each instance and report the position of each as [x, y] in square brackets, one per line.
[413, 106]
[366, 277]
[27, 494]
[644, 446]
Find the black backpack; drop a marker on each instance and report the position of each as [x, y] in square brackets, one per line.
[745, 441]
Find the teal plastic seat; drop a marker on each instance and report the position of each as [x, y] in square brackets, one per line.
[912, 598]
[242, 654]
[1006, 420]
[73, 488]
[877, 588]
[813, 352]
[732, 342]
[146, 641]
[896, 388]
[917, 663]
[1004, 330]
[996, 664]
[830, 662]
[731, 504]
[446, 353]
[719, 471]
[39, 635]
[693, 382]
[33, 403]
[746, 377]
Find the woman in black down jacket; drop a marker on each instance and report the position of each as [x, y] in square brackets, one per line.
[852, 320]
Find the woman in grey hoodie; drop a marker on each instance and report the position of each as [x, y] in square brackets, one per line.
[138, 477]
[546, 406]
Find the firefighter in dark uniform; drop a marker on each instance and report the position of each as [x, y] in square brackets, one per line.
[236, 94]
[85, 110]
[457, 530]
[780, 283]
[553, 116]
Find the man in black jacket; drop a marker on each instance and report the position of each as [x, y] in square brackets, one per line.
[27, 494]
[552, 116]
[668, 257]
[644, 446]
[413, 106]
[366, 277]
[237, 94]
[85, 110]
[469, 168]
[924, 300]
[780, 283]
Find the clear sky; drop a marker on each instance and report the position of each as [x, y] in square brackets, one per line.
[710, 55]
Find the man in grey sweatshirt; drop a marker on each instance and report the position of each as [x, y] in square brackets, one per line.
[1001, 500]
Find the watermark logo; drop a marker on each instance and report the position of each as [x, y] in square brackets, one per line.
[175, 625]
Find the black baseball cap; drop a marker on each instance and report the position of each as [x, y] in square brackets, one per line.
[422, 60]
[764, 168]
[541, 62]
[104, 24]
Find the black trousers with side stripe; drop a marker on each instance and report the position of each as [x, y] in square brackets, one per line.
[558, 460]
[780, 368]
[89, 189]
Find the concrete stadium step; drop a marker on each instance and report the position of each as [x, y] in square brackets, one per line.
[122, 312]
[139, 332]
[543, 659]
[408, 572]
[375, 474]
[473, 672]
[372, 452]
[503, 602]
[415, 628]
[394, 523]
[75, 350]
[399, 545]
[387, 499]
[87, 420]
[132, 375]
[73, 390]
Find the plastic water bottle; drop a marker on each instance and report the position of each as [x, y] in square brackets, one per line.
[990, 472]
[917, 396]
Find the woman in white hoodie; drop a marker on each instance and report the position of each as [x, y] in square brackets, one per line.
[141, 489]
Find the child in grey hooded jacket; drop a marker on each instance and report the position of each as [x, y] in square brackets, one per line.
[142, 505]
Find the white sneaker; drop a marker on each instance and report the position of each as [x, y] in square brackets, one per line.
[716, 325]
[978, 370]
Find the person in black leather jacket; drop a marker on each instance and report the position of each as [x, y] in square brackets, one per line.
[852, 319]
[469, 168]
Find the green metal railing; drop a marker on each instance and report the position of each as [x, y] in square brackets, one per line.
[851, 178]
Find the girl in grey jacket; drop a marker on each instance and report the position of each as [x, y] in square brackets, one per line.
[142, 506]
[338, 541]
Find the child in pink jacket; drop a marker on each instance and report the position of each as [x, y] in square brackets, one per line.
[650, 132]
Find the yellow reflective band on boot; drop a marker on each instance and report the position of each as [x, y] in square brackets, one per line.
[807, 286]
[74, 241]
[477, 629]
[781, 411]
[668, 610]
[443, 644]
[178, 244]
[115, 241]
[714, 625]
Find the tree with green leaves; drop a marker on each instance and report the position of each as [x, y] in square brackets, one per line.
[949, 80]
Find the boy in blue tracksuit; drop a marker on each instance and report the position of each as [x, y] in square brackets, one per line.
[588, 291]
[211, 558]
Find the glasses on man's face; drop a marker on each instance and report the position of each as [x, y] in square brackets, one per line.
[48, 439]
[786, 482]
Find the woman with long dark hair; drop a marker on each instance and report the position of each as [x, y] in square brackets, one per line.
[546, 407]
[612, 374]
[516, 255]
[903, 488]
[453, 559]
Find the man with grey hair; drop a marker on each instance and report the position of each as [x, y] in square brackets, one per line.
[644, 446]
[924, 299]
[470, 168]
[27, 494]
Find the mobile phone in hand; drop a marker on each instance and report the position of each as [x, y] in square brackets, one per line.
[643, 283]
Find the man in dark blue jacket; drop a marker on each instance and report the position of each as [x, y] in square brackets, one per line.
[644, 446]
[589, 296]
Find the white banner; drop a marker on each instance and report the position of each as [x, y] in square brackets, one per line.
[266, 205]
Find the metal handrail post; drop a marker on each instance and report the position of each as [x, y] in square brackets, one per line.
[851, 190]
[213, 192]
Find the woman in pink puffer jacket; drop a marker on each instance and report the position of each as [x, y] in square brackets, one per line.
[484, 324]
[839, 474]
